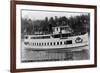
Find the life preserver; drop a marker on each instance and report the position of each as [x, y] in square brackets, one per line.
[79, 40]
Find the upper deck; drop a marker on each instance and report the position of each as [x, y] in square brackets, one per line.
[58, 32]
[52, 36]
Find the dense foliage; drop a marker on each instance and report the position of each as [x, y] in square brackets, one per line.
[77, 24]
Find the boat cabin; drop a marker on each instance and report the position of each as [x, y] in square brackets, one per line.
[61, 29]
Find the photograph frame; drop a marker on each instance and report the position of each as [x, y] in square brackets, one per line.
[13, 35]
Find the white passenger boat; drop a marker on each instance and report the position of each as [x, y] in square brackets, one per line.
[61, 38]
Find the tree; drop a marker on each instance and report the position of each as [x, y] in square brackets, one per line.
[79, 24]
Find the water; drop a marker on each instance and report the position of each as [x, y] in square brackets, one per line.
[29, 55]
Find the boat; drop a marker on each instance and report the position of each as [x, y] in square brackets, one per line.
[61, 38]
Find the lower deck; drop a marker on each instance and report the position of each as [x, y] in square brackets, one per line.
[76, 41]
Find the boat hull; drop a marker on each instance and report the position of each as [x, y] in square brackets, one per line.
[47, 44]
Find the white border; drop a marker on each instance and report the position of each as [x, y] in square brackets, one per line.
[20, 65]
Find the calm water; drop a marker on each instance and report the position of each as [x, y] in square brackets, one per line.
[29, 55]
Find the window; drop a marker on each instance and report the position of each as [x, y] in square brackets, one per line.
[48, 43]
[37, 44]
[45, 43]
[56, 36]
[26, 43]
[45, 37]
[54, 43]
[64, 35]
[68, 42]
[61, 43]
[42, 43]
[57, 43]
[57, 29]
[41, 37]
[51, 43]
[65, 42]
[33, 43]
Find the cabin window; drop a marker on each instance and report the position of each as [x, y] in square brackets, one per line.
[51, 43]
[57, 43]
[45, 43]
[26, 37]
[57, 29]
[33, 43]
[68, 42]
[45, 37]
[41, 37]
[37, 44]
[54, 43]
[65, 42]
[26, 43]
[61, 43]
[64, 35]
[32, 37]
[42, 43]
[48, 43]
[56, 36]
